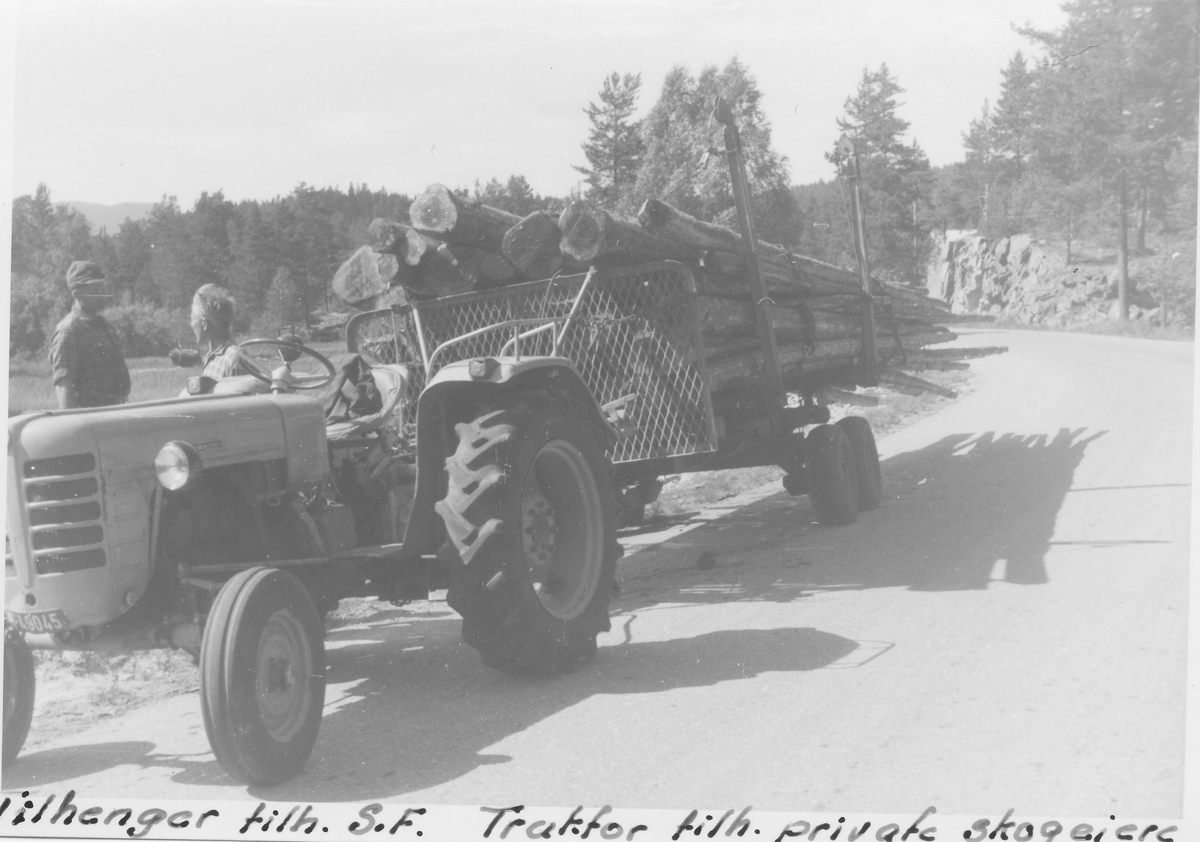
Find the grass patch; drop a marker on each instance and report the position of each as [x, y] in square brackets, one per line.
[151, 378]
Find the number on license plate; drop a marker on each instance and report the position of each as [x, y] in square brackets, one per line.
[38, 622]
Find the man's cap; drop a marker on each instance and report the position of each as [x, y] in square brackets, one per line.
[83, 272]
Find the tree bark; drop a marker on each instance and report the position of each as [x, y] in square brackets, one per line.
[725, 245]
[962, 353]
[438, 275]
[591, 235]
[1123, 246]
[532, 246]
[735, 371]
[440, 214]
[1141, 220]
[902, 382]
[721, 319]
[726, 275]
[831, 394]
[483, 267]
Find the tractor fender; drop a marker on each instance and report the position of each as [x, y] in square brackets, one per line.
[446, 400]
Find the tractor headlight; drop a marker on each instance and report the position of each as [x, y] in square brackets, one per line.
[176, 465]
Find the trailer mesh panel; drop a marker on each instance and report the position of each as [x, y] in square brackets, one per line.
[634, 338]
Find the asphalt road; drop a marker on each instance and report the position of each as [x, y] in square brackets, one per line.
[1008, 629]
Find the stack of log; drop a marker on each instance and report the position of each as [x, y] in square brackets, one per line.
[452, 245]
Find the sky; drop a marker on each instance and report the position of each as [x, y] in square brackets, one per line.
[132, 100]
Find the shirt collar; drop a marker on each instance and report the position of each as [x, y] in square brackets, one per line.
[216, 352]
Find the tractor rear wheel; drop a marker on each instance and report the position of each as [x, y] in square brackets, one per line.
[262, 676]
[531, 514]
[866, 461]
[19, 683]
[832, 475]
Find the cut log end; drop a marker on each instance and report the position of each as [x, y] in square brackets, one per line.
[583, 231]
[365, 275]
[444, 216]
[654, 214]
[434, 210]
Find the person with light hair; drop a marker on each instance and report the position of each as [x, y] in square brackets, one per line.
[212, 322]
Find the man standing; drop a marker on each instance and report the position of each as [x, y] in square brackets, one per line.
[212, 322]
[85, 355]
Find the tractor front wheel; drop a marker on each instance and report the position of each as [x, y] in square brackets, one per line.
[531, 512]
[19, 681]
[262, 676]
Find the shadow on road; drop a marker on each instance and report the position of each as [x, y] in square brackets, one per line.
[429, 720]
[415, 708]
[58, 764]
[952, 511]
[957, 514]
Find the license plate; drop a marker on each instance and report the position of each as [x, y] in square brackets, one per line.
[38, 622]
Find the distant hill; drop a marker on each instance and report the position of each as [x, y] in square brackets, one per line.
[111, 216]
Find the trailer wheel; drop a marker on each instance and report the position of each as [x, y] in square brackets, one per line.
[19, 687]
[832, 475]
[531, 512]
[262, 676]
[866, 460]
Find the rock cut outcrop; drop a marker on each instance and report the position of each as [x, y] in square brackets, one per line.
[1020, 278]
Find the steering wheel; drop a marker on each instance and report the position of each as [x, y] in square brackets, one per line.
[268, 354]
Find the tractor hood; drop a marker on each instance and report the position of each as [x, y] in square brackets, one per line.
[82, 485]
[225, 430]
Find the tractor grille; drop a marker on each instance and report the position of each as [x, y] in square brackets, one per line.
[633, 340]
[62, 504]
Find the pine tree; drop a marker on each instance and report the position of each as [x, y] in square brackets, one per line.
[1014, 116]
[520, 197]
[253, 264]
[1120, 92]
[895, 174]
[514, 196]
[684, 163]
[614, 147]
[979, 174]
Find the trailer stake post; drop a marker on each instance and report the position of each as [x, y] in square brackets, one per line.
[869, 364]
[771, 378]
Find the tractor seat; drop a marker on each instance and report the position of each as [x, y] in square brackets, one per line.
[391, 380]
